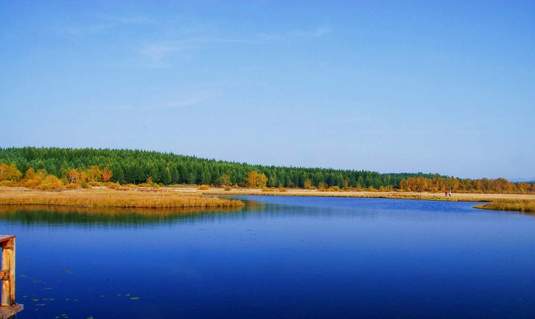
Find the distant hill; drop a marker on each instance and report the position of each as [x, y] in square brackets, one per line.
[135, 166]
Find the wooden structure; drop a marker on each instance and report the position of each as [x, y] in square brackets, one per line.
[8, 306]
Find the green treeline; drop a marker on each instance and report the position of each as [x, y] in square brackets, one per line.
[136, 166]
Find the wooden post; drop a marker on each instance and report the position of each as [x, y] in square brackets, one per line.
[8, 268]
[8, 306]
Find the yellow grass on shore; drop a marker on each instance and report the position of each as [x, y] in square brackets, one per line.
[95, 198]
[192, 196]
[525, 206]
[468, 197]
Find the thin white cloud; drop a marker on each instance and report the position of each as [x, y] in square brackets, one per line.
[180, 101]
[159, 52]
[314, 33]
[317, 32]
[128, 20]
[186, 102]
[104, 24]
[86, 29]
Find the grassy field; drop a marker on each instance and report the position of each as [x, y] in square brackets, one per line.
[96, 198]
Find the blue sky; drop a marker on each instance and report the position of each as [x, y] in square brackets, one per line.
[433, 86]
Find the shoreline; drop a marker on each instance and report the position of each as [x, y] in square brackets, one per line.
[193, 196]
[523, 203]
[456, 197]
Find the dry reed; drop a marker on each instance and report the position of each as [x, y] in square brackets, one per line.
[112, 198]
[525, 206]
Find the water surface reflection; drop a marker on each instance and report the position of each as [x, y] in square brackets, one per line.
[287, 257]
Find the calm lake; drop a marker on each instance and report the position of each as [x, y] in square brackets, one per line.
[281, 257]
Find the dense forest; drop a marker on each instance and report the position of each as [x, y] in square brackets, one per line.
[53, 167]
[136, 166]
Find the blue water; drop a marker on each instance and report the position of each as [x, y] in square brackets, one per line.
[284, 257]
